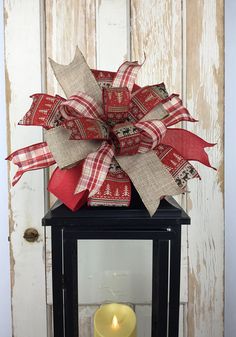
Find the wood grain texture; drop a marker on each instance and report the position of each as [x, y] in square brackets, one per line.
[156, 30]
[205, 96]
[112, 33]
[23, 78]
[68, 24]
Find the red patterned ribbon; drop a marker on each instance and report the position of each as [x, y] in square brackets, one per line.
[145, 100]
[115, 190]
[116, 104]
[44, 111]
[123, 125]
[86, 128]
[180, 169]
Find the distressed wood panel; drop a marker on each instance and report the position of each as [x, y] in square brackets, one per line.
[183, 54]
[205, 96]
[113, 33]
[23, 77]
[156, 30]
[68, 24]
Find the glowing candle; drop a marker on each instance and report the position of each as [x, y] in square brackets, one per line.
[114, 320]
[115, 324]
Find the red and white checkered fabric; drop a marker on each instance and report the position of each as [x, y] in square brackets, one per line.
[177, 112]
[95, 169]
[81, 105]
[126, 75]
[152, 133]
[29, 158]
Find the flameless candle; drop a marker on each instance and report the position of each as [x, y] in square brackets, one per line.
[114, 320]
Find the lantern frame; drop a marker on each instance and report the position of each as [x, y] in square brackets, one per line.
[104, 223]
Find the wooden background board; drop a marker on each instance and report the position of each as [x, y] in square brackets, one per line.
[205, 98]
[183, 42]
[26, 199]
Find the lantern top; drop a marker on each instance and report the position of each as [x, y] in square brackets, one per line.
[135, 217]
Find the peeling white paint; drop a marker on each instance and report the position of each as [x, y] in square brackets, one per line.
[22, 51]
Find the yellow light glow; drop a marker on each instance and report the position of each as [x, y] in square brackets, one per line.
[114, 324]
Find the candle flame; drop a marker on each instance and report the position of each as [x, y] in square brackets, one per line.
[114, 323]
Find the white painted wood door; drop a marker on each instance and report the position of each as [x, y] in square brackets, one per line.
[183, 41]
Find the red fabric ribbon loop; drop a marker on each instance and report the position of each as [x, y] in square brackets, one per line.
[152, 133]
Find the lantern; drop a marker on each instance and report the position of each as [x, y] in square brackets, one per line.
[109, 223]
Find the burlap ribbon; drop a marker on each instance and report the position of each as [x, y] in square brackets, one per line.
[149, 176]
[93, 130]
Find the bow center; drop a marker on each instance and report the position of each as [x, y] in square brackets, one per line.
[116, 103]
[126, 138]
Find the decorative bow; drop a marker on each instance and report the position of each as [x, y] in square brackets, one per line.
[108, 132]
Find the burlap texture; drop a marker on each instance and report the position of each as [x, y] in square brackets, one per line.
[77, 76]
[150, 178]
[68, 152]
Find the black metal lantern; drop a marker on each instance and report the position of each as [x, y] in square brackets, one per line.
[133, 223]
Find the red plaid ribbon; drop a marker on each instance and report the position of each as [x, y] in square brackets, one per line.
[95, 169]
[177, 112]
[29, 158]
[152, 133]
[126, 75]
[81, 105]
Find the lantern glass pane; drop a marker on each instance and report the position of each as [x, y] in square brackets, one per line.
[115, 271]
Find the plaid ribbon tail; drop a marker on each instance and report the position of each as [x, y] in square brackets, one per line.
[176, 111]
[126, 75]
[30, 158]
[190, 146]
[95, 169]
